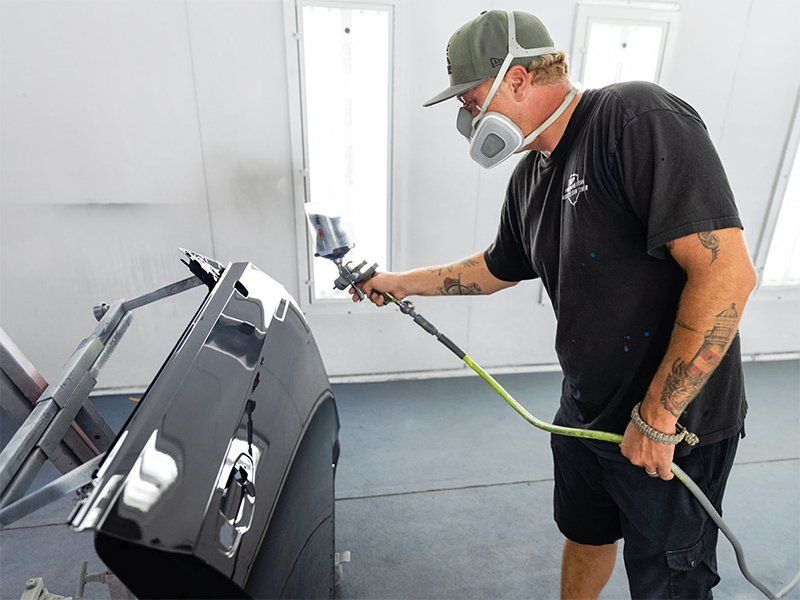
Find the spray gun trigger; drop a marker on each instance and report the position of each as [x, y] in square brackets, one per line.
[353, 275]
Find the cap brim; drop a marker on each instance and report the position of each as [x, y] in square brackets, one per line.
[454, 90]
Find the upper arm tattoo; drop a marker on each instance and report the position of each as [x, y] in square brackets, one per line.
[710, 240]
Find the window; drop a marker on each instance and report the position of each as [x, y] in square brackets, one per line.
[344, 69]
[621, 43]
[782, 265]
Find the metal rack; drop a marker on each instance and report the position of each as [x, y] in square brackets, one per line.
[58, 421]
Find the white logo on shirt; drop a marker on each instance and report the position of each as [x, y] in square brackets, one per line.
[575, 187]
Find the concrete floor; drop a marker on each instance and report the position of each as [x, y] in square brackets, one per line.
[444, 492]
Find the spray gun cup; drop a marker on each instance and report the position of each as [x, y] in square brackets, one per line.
[328, 231]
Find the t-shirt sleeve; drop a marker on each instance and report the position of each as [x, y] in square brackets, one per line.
[506, 258]
[672, 178]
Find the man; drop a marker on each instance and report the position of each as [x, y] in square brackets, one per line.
[623, 209]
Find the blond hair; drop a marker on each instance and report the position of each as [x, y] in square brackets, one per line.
[549, 68]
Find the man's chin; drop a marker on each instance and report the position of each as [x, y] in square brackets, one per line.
[529, 147]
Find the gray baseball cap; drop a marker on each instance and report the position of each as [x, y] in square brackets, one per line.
[475, 52]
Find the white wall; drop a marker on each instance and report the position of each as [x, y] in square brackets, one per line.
[132, 128]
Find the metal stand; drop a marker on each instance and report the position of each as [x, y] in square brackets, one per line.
[35, 590]
[116, 589]
[58, 421]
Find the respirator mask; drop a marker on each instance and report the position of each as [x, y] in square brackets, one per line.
[494, 137]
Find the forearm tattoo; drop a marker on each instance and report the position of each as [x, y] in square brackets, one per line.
[467, 262]
[454, 287]
[710, 240]
[686, 379]
[685, 326]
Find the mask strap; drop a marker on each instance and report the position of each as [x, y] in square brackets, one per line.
[496, 84]
[514, 51]
[551, 119]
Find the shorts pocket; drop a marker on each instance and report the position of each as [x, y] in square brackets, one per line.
[693, 570]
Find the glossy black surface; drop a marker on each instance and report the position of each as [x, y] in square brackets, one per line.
[190, 500]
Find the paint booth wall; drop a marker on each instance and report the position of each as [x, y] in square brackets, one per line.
[131, 128]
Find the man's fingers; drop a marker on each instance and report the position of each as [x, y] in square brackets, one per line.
[659, 471]
[376, 298]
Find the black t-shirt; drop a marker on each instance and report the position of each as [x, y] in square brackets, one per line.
[634, 169]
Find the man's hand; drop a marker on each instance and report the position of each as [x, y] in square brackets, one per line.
[381, 282]
[466, 277]
[653, 456]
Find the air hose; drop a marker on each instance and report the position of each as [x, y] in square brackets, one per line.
[407, 308]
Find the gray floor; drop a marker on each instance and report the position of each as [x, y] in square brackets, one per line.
[444, 492]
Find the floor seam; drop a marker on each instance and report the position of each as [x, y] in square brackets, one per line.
[508, 483]
[446, 489]
[765, 461]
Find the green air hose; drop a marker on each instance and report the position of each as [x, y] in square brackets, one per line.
[407, 308]
[617, 438]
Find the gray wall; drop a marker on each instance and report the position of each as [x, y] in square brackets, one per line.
[132, 128]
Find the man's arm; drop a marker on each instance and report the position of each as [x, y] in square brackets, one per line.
[469, 276]
[720, 277]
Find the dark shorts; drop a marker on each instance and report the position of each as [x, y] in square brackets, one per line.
[670, 541]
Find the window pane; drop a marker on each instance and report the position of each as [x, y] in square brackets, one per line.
[346, 76]
[617, 52]
[783, 259]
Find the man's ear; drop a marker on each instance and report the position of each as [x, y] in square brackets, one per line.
[518, 79]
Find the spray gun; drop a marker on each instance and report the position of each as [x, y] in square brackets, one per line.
[332, 242]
